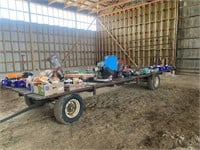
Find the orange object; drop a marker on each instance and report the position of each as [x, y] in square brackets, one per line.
[13, 75]
[41, 79]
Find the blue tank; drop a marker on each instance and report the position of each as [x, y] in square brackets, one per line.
[111, 62]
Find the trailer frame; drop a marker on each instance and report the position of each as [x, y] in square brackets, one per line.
[61, 113]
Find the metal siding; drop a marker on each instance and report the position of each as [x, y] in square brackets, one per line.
[188, 45]
[46, 40]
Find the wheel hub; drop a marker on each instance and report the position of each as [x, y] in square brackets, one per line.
[156, 81]
[72, 108]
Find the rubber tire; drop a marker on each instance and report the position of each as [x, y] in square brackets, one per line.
[151, 83]
[30, 102]
[59, 109]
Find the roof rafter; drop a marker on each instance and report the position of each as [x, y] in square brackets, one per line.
[92, 5]
[55, 1]
[111, 6]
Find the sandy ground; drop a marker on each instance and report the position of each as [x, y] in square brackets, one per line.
[121, 117]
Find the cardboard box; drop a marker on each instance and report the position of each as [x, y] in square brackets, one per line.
[48, 89]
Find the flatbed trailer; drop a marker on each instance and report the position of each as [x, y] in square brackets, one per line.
[69, 104]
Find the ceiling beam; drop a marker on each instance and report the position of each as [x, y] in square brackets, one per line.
[75, 3]
[129, 8]
[89, 7]
[55, 1]
[111, 6]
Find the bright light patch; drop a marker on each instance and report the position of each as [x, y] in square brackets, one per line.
[18, 10]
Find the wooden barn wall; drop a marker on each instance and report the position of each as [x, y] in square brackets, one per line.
[143, 35]
[24, 47]
[188, 46]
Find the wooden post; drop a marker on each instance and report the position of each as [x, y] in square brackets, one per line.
[31, 37]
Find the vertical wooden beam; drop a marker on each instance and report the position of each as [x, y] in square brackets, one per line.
[60, 42]
[135, 35]
[21, 61]
[155, 33]
[87, 52]
[124, 34]
[12, 49]
[44, 47]
[175, 32]
[65, 48]
[104, 39]
[38, 48]
[143, 35]
[77, 46]
[167, 34]
[98, 33]
[101, 39]
[31, 36]
[149, 35]
[4, 49]
[119, 34]
[25, 45]
[49, 46]
[113, 31]
[129, 34]
[162, 57]
[107, 22]
[139, 36]
[81, 48]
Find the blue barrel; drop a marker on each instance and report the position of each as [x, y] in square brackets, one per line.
[111, 62]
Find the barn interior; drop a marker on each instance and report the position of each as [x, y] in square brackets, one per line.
[145, 34]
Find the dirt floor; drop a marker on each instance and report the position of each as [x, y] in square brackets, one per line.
[121, 117]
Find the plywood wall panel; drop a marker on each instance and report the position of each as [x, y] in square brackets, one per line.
[147, 33]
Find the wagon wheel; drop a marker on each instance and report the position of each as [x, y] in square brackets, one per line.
[68, 109]
[30, 101]
[154, 82]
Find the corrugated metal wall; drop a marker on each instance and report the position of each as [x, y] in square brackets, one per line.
[188, 46]
[23, 48]
[143, 35]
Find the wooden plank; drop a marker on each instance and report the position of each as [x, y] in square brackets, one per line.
[12, 53]
[44, 47]
[38, 49]
[155, 33]
[175, 33]
[149, 35]
[31, 38]
[124, 35]
[4, 48]
[143, 36]
[25, 43]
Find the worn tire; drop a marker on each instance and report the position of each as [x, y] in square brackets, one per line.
[30, 102]
[154, 82]
[68, 109]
